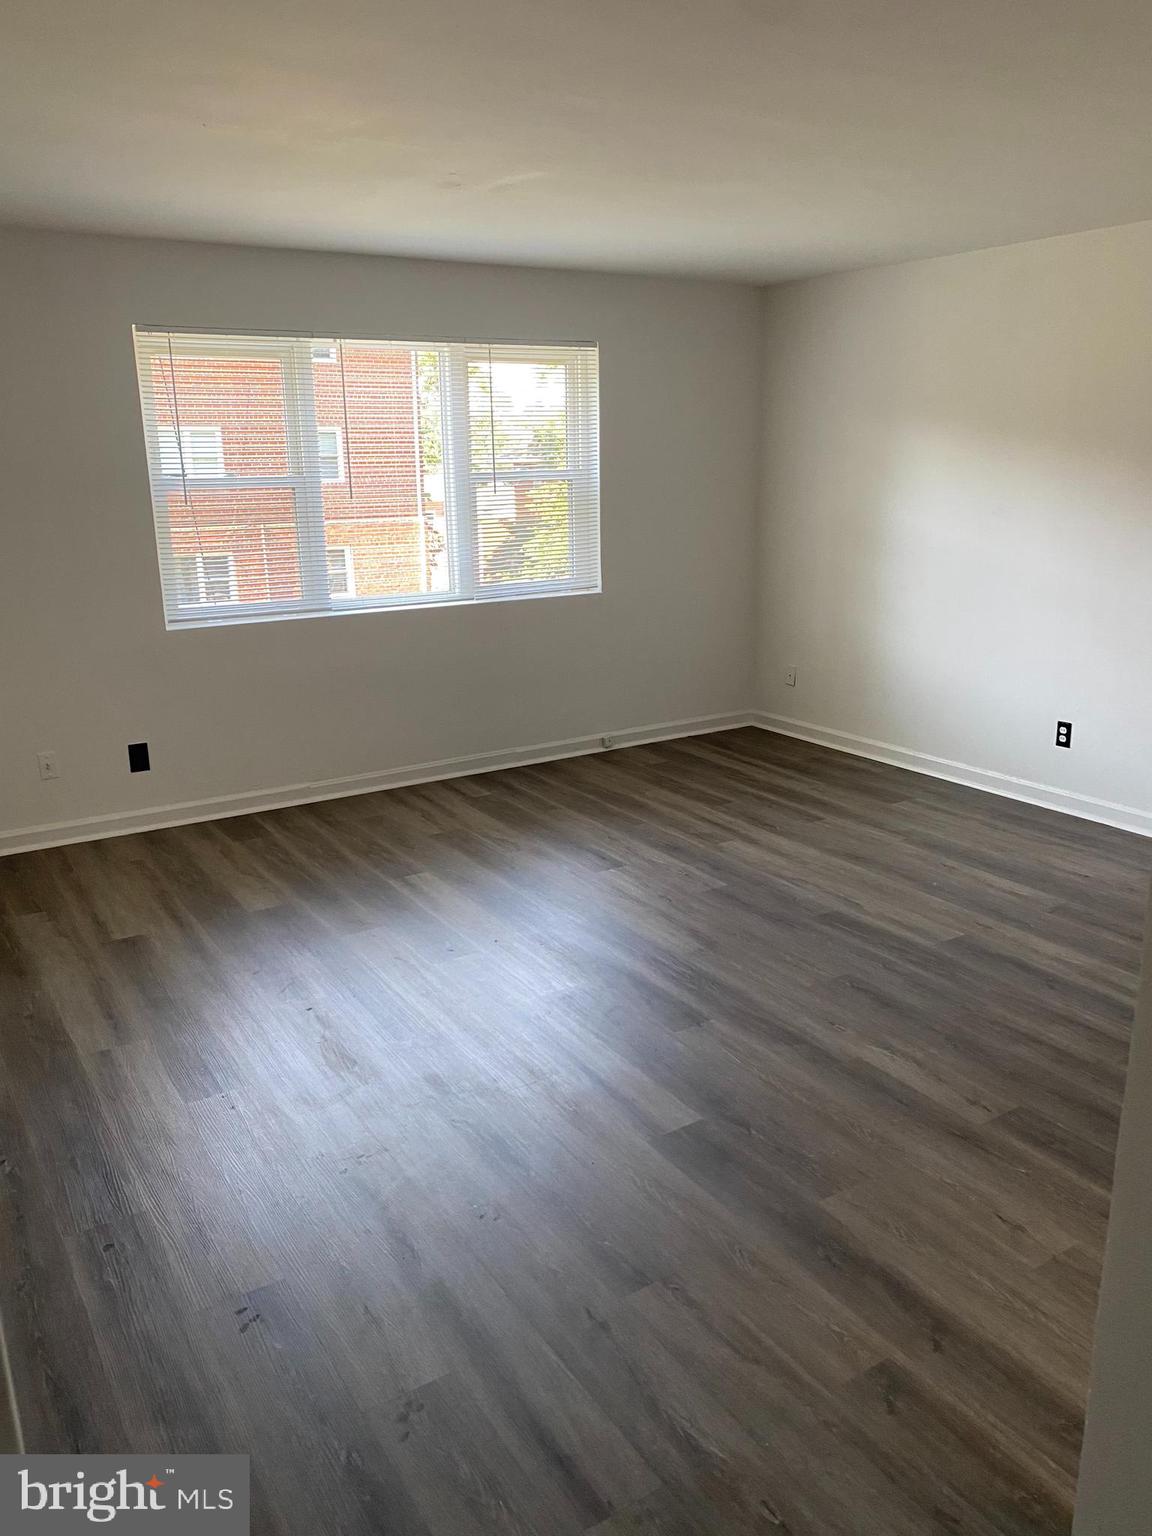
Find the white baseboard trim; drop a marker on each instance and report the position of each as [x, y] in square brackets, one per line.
[151, 818]
[1127, 817]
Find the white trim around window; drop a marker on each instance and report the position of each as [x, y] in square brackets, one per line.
[475, 475]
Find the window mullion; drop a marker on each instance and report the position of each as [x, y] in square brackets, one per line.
[303, 454]
[460, 497]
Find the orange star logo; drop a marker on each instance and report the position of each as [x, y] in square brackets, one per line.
[154, 1482]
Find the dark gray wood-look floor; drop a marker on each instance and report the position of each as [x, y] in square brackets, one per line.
[711, 1137]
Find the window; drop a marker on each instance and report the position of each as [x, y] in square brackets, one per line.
[330, 446]
[199, 451]
[332, 475]
[341, 571]
[207, 578]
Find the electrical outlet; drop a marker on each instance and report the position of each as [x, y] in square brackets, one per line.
[138, 760]
[1063, 733]
[790, 677]
[46, 763]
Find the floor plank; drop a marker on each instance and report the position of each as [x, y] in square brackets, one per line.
[703, 1139]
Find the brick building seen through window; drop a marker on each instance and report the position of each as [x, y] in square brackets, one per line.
[384, 527]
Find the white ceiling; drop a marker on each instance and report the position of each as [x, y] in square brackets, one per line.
[751, 138]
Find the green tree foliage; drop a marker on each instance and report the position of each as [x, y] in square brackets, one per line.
[535, 546]
[428, 409]
[509, 435]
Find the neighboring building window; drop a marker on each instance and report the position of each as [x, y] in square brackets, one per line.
[341, 571]
[199, 452]
[209, 578]
[467, 472]
[330, 445]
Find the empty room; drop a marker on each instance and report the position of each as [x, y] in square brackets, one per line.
[576, 768]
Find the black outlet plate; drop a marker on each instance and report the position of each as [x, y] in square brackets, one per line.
[138, 759]
[1063, 733]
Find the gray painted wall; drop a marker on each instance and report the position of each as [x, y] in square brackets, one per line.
[957, 542]
[88, 665]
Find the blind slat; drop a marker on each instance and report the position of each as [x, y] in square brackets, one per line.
[296, 474]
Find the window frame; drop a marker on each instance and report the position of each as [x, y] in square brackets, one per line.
[575, 468]
[166, 484]
[176, 448]
[202, 578]
[341, 474]
[304, 480]
[349, 571]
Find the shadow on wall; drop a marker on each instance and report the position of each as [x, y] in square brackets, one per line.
[958, 525]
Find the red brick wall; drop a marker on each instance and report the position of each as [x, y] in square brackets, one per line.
[374, 510]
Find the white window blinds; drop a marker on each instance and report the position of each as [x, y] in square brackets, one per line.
[441, 472]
